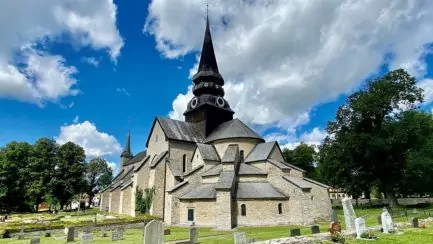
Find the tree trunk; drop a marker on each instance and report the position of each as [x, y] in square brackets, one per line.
[392, 200]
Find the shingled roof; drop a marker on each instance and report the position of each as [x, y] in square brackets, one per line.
[216, 170]
[232, 129]
[178, 130]
[140, 156]
[299, 182]
[208, 152]
[258, 190]
[246, 169]
[231, 154]
[203, 191]
[226, 180]
[260, 152]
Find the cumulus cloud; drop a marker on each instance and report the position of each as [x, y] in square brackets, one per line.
[289, 139]
[90, 60]
[94, 142]
[28, 71]
[281, 58]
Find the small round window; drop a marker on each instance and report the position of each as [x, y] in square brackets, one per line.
[194, 102]
[206, 84]
[220, 102]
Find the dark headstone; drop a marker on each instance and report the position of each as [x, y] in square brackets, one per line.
[379, 220]
[47, 234]
[117, 234]
[193, 235]
[295, 232]
[35, 241]
[334, 217]
[70, 235]
[315, 229]
[414, 222]
[167, 232]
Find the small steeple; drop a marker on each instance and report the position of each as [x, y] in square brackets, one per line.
[127, 150]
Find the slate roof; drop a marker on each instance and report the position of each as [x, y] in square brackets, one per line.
[208, 152]
[226, 180]
[301, 183]
[231, 153]
[138, 167]
[124, 185]
[203, 191]
[232, 129]
[279, 164]
[258, 190]
[316, 182]
[216, 170]
[137, 158]
[158, 158]
[245, 169]
[178, 186]
[174, 168]
[260, 152]
[178, 130]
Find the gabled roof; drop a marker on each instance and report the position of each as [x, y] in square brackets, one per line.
[178, 186]
[138, 167]
[208, 152]
[158, 159]
[299, 182]
[284, 165]
[178, 130]
[140, 156]
[258, 190]
[231, 154]
[232, 129]
[225, 181]
[260, 152]
[203, 191]
[216, 170]
[246, 169]
[174, 168]
[316, 182]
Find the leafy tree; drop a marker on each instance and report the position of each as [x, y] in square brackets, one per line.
[40, 169]
[69, 173]
[304, 157]
[98, 176]
[365, 145]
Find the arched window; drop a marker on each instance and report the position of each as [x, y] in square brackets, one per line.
[184, 163]
[243, 210]
[280, 208]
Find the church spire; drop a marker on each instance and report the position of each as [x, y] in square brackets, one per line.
[127, 150]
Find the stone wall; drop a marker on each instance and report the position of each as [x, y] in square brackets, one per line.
[321, 202]
[224, 210]
[262, 212]
[158, 183]
[105, 201]
[126, 198]
[177, 150]
[402, 201]
[204, 212]
[115, 201]
[157, 141]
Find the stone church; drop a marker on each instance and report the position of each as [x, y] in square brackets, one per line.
[213, 169]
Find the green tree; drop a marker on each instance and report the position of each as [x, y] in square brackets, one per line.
[69, 173]
[98, 176]
[40, 169]
[363, 147]
[143, 199]
[303, 156]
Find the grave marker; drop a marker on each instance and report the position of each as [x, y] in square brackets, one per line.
[295, 232]
[153, 232]
[35, 241]
[70, 234]
[240, 238]
[334, 217]
[193, 235]
[167, 232]
[387, 224]
[349, 213]
[359, 226]
[86, 237]
[315, 229]
[414, 222]
[117, 234]
[379, 220]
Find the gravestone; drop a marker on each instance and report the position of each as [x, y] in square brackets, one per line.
[153, 232]
[89, 229]
[334, 217]
[35, 241]
[387, 224]
[315, 229]
[414, 211]
[167, 232]
[295, 232]
[379, 220]
[21, 234]
[359, 226]
[86, 237]
[193, 235]
[117, 234]
[414, 222]
[334, 227]
[349, 213]
[240, 238]
[70, 234]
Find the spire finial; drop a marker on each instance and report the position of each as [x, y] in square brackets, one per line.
[127, 150]
[207, 10]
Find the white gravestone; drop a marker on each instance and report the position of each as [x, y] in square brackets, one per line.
[240, 238]
[154, 232]
[349, 213]
[387, 224]
[359, 226]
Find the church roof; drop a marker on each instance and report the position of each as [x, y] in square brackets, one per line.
[158, 158]
[245, 169]
[260, 152]
[140, 156]
[258, 190]
[232, 129]
[203, 191]
[174, 168]
[178, 130]
[216, 170]
[226, 180]
[208, 152]
[284, 165]
[231, 154]
[127, 150]
[299, 182]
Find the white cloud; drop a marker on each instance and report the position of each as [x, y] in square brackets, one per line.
[94, 142]
[289, 140]
[112, 166]
[90, 60]
[124, 91]
[281, 58]
[427, 86]
[76, 119]
[28, 71]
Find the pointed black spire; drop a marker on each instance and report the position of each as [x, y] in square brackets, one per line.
[127, 150]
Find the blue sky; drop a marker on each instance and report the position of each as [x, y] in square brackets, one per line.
[296, 69]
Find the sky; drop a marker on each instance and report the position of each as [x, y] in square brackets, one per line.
[88, 70]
